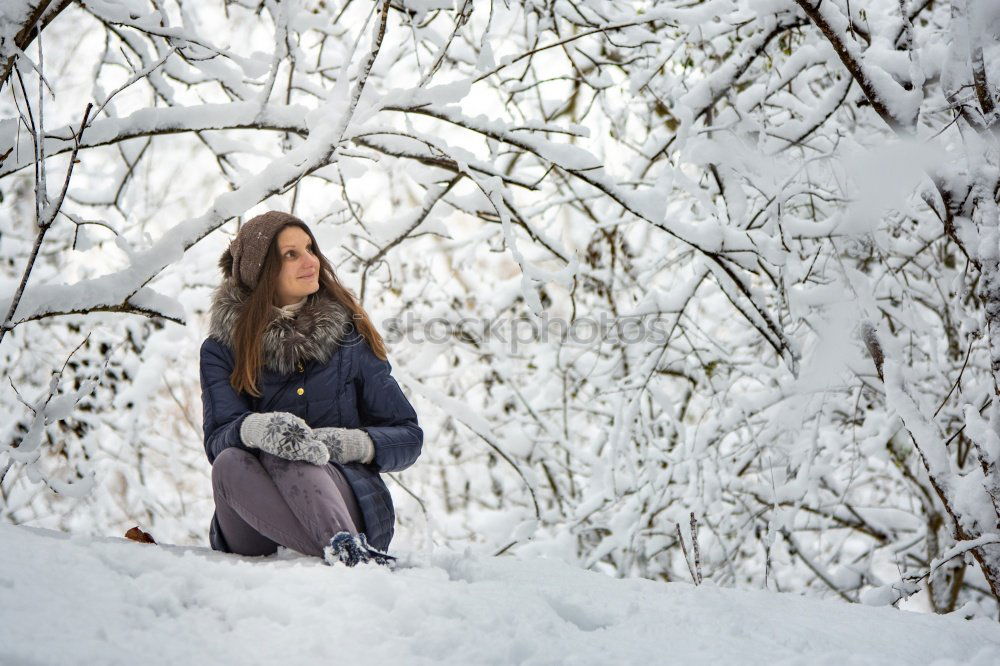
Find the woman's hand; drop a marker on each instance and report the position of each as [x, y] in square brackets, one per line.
[284, 435]
[346, 445]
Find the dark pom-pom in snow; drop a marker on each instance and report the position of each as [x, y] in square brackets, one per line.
[344, 547]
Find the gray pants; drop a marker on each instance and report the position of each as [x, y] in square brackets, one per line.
[263, 501]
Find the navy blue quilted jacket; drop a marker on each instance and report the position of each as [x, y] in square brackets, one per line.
[352, 389]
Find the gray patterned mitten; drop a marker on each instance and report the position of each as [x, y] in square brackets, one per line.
[347, 445]
[284, 435]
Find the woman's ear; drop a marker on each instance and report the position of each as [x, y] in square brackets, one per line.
[226, 263]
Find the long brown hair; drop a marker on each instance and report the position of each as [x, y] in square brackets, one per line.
[257, 314]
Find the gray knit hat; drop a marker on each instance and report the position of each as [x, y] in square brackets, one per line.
[245, 256]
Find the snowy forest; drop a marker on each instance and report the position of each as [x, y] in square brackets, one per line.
[680, 289]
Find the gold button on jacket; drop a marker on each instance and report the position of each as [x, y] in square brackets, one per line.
[301, 391]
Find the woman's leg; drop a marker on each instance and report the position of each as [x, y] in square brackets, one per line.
[263, 501]
[252, 514]
[318, 495]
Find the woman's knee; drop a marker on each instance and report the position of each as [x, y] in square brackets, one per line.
[229, 461]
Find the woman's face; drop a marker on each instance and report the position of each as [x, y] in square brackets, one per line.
[299, 274]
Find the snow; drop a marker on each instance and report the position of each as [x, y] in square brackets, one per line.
[152, 120]
[83, 600]
[735, 180]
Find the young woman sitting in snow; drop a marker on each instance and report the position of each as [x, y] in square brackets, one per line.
[300, 410]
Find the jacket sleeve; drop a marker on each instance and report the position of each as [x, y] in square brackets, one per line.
[223, 408]
[386, 415]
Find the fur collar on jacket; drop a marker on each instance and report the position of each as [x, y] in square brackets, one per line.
[313, 334]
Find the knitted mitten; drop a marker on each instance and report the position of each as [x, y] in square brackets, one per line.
[284, 435]
[346, 445]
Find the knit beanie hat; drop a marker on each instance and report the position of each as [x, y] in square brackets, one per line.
[246, 253]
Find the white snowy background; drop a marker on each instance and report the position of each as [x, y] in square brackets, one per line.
[635, 263]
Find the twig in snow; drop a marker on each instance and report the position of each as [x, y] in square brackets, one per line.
[694, 547]
[687, 559]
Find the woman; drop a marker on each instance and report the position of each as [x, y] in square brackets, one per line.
[300, 410]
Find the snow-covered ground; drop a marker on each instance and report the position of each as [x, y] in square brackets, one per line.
[81, 600]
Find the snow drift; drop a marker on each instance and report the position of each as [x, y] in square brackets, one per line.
[85, 600]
